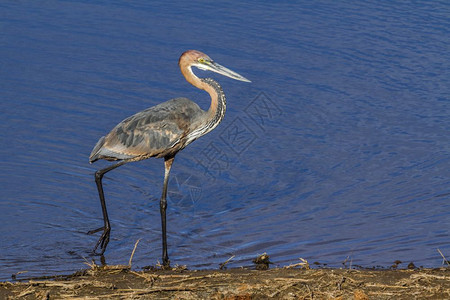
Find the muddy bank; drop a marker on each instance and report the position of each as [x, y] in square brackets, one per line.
[119, 282]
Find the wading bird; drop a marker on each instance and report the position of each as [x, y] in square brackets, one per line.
[162, 131]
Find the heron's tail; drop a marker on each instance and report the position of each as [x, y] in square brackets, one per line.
[95, 154]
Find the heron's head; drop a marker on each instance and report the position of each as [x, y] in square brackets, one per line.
[194, 58]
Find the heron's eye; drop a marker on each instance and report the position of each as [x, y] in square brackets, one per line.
[202, 60]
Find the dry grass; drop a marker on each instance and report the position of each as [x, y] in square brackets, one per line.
[119, 282]
[296, 281]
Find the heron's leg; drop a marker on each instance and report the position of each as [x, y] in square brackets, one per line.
[104, 238]
[163, 206]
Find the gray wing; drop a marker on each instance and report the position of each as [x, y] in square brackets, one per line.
[156, 131]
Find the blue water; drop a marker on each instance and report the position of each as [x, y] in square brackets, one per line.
[339, 149]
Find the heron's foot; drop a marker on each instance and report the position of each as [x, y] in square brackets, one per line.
[102, 241]
[166, 265]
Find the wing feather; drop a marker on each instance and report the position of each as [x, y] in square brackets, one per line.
[155, 131]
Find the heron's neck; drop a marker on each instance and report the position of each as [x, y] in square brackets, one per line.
[216, 111]
[218, 106]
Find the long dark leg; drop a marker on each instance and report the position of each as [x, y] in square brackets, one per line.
[163, 206]
[104, 238]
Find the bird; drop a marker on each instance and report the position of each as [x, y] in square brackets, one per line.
[161, 131]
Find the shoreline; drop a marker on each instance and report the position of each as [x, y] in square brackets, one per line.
[296, 282]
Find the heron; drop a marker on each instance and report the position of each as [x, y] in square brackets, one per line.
[161, 131]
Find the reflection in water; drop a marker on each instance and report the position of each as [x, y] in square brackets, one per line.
[338, 149]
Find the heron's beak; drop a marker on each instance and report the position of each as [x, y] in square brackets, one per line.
[215, 67]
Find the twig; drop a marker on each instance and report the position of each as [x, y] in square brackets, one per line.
[28, 291]
[222, 265]
[311, 294]
[444, 259]
[91, 265]
[346, 260]
[140, 292]
[132, 253]
[147, 277]
[304, 265]
[14, 276]
[340, 283]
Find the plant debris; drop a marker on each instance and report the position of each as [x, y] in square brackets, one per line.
[262, 262]
[119, 282]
